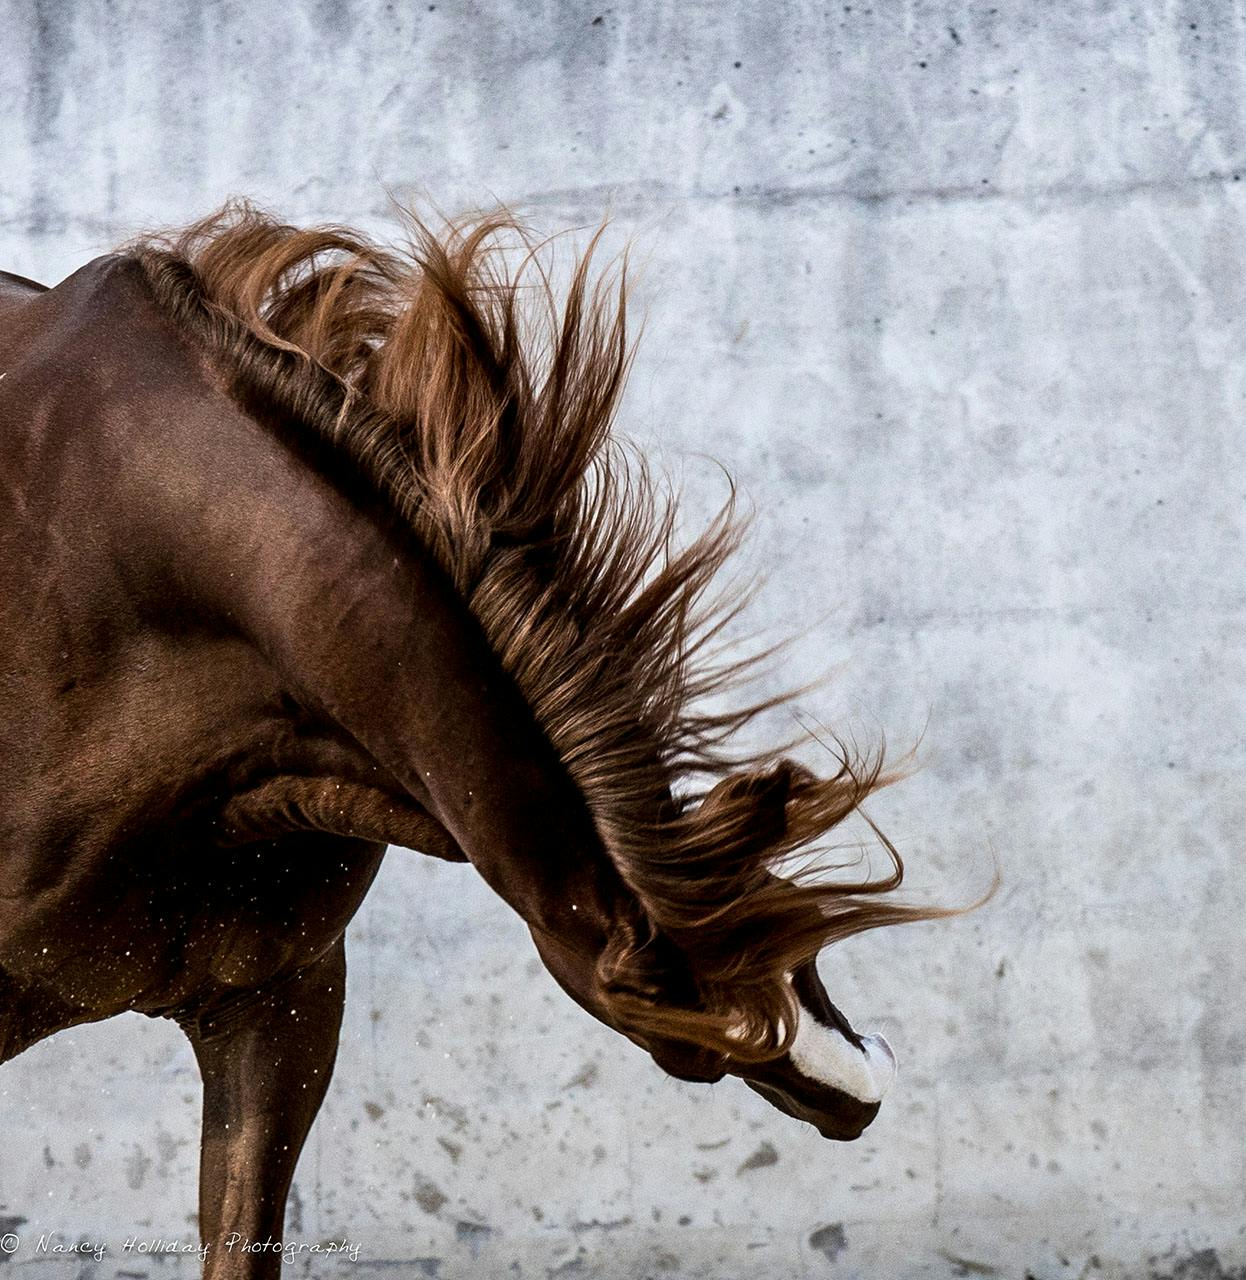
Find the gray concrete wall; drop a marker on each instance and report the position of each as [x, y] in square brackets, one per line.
[956, 293]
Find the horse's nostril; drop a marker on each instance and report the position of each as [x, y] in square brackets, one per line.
[884, 1049]
[882, 1063]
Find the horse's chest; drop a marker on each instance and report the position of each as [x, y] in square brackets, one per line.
[155, 932]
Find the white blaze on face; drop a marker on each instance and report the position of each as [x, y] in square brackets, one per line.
[824, 1055]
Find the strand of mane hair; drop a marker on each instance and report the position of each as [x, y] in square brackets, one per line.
[744, 927]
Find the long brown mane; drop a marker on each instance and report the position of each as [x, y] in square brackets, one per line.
[480, 409]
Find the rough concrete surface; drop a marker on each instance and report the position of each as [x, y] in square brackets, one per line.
[956, 293]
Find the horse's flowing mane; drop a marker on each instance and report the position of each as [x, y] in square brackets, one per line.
[480, 408]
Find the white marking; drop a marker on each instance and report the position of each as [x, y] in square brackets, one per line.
[824, 1055]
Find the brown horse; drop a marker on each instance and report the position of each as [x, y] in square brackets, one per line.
[308, 547]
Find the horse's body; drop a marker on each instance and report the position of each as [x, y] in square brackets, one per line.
[230, 675]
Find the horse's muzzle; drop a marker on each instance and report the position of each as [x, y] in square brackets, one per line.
[833, 1114]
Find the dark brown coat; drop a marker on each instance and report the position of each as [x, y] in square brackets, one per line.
[304, 552]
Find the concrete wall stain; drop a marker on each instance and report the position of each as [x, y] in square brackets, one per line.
[830, 1241]
[1205, 1264]
[762, 1158]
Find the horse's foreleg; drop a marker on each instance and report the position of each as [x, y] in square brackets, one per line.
[266, 1064]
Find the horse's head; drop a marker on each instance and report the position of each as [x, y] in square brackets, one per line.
[828, 1075]
[721, 978]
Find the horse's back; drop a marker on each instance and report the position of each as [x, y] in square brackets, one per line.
[15, 290]
[13, 286]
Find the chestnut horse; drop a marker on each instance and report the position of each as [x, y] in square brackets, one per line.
[308, 547]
